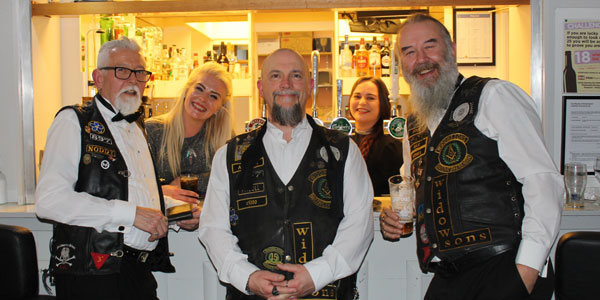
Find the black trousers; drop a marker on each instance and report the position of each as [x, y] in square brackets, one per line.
[496, 278]
[134, 282]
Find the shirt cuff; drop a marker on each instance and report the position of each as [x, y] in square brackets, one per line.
[320, 272]
[123, 216]
[240, 274]
[532, 255]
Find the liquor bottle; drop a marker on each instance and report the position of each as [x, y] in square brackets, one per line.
[231, 57]
[222, 60]
[196, 62]
[569, 76]
[346, 59]
[362, 59]
[386, 58]
[209, 56]
[374, 60]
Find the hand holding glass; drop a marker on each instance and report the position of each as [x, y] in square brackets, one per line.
[402, 193]
[575, 182]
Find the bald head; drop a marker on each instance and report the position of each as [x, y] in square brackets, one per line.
[272, 60]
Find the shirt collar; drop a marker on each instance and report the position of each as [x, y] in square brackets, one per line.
[302, 128]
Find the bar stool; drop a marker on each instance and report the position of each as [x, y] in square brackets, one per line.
[19, 278]
[578, 266]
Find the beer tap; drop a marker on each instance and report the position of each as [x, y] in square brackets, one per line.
[394, 126]
[315, 74]
[341, 123]
[258, 122]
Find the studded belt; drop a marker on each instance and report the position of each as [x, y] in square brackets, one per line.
[139, 255]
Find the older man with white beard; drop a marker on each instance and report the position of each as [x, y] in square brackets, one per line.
[288, 206]
[488, 196]
[98, 185]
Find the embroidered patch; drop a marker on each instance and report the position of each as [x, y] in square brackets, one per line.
[100, 150]
[96, 127]
[257, 187]
[251, 202]
[255, 124]
[423, 234]
[87, 159]
[273, 256]
[320, 193]
[461, 112]
[233, 217]
[99, 259]
[239, 151]
[99, 138]
[237, 167]
[443, 228]
[303, 242]
[453, 153]
[396, 127]
[67, 254]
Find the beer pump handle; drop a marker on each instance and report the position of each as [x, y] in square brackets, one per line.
[315, 75]
[339, 96]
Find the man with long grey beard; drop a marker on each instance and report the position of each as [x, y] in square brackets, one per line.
[98, 185]
[288, 206]
[489, 196]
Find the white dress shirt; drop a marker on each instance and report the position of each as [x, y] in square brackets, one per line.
[354, 235]
[55, 196]
[508, 116]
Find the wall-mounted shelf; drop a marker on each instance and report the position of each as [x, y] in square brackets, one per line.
[114, 7]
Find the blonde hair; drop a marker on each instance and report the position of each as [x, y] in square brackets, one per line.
[218, 127]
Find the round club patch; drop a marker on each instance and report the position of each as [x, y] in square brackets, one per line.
[273, 256]
[453, 153]
[96, 127]
[255, 124]
[87, 159]
[105, 164]
[461, 112]
[320, 192]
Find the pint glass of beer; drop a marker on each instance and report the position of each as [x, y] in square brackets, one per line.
[402, 193]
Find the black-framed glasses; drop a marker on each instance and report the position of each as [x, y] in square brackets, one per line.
[124, 73]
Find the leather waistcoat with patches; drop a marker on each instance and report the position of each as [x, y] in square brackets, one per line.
[293, 222]
[467, 197]
[102, 173]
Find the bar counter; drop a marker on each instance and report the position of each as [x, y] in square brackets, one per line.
[389, 268]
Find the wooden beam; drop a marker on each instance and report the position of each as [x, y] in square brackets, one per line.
[83, 8]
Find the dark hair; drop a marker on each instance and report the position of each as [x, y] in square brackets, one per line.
[384, 112]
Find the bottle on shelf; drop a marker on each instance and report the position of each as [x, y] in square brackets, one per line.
[346, 59]
[374, 59]
[362, 59]
[232, 58]
[569, 75]
[222, 60]
[209, 56]
[196, 62]
[386, 58]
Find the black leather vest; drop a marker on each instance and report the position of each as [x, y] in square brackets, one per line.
[288, 223]
[102, 173]
[467, 197]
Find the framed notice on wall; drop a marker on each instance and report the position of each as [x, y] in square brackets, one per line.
[475, 36]
[581, 73]
[580, 130]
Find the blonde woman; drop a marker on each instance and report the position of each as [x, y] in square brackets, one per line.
[185, 139]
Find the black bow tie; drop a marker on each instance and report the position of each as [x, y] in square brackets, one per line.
[129, 118]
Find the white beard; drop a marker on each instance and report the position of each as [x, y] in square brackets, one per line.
[128, 104]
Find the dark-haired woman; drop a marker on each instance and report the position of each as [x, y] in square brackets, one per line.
[369, 106]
